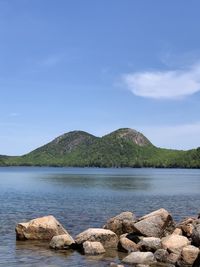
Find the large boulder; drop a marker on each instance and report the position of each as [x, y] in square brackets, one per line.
[174, 243]
[106, 237]
[149, 244]
[122, 223]
[139, 258]
[93, 248]
[155, 224]
[43, 228]
[61, 241]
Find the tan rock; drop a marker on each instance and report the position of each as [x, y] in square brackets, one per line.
[106, 237]
[187, 226]
[177, 231]
[127, 244]
[93, 248]
[155, 224]
[174, 243]
[43, 228]
[189, 254]
[139, 258]
[61, 241]
[122, 223]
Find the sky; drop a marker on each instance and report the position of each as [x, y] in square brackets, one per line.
[98, 66]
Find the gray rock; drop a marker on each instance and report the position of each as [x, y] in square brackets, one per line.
[43, 228]
[61, 241]
[149, 244]
[156, 224]
[93, 248]
[106, 237]
[122, 223]
[173, 258]
[161, 255]
[139, 258]
[196, 235]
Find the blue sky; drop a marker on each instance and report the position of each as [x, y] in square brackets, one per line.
[98, 66]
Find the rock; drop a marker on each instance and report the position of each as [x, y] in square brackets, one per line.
[142, 265]
[43, 228]
[188, 255]
[156, 224]
[139, 258]
[174, 243]
[177, 231]
[149, 244]
[161, 255]
[107, 238]
[173, 258]
[162, 264]
[113, 264]
[93, 248]
[61, 241]
[122, 223]
[126, 244]
[187, 226]
[196, 235]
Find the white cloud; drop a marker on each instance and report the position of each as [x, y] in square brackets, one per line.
[171, 84]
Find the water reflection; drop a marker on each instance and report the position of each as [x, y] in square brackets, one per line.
[98, 181]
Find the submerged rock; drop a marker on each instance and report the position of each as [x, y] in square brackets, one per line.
[139, 258]
[61, 241]
[122, 223]
[107, 238]
[155, 224]
[93, 248]
[43, 228]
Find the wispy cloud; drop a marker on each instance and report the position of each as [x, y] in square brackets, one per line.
[171, 84]
[50, 61]
[14, 114]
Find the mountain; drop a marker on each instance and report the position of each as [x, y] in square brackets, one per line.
[122, 148]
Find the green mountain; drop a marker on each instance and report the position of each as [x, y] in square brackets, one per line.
[121, 148]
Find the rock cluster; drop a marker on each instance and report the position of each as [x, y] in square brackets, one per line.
[152, 240]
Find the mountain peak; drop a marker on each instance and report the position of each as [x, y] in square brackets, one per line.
[132, 135]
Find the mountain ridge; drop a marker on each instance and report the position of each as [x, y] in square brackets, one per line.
[123, 147]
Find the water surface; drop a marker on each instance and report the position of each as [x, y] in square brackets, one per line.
[85, 197]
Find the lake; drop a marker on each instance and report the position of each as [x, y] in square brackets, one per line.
[85, 197]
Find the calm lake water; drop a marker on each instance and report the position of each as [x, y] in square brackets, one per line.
[82, 198]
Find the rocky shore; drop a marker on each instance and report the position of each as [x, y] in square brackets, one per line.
[153, 240]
